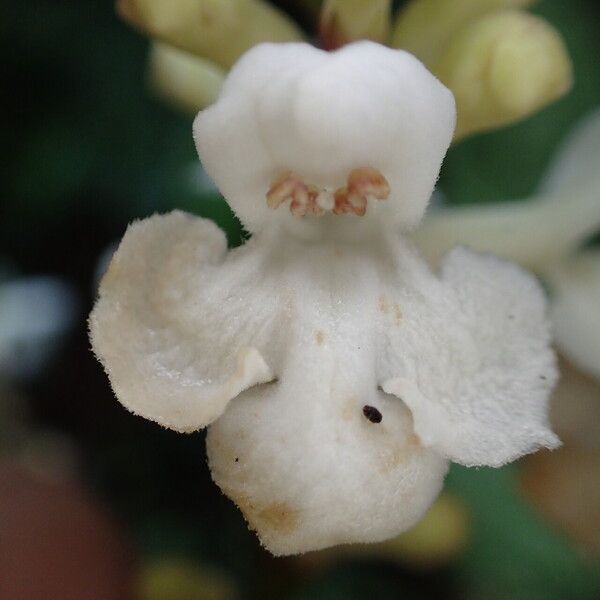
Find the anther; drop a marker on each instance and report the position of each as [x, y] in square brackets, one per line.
[306, 199]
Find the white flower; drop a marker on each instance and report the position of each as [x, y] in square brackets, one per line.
[544, 233]
[337, 373]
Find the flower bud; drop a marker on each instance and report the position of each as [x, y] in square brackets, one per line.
[218, 30]
[502, 68]
[425, 27]
[185, 80]
[344, 21]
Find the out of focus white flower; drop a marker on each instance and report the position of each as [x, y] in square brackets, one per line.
[35, 313]
[356, 372]
[545, 234]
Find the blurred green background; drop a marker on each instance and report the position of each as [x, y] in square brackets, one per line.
[86, 149]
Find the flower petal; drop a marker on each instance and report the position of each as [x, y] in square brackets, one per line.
[575, 285]
[321, 456]
[471, 359]
[321, 115]
[177, 326]
[309, 471]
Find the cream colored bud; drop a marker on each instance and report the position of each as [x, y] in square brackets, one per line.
[343, 21]
[187, 81]
[425, 27]
[218, 30]
[502, 68]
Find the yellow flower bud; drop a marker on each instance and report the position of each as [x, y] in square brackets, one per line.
[218, 30]
[184, 79]
[502, 68]
[424, 27]
[344, 21]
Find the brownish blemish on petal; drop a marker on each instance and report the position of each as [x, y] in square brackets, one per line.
[276, 516]
[398, 454]
[383, 304]
[279, 516]
[412, 441]
[319, 337]
[392, 459]
[397, 313]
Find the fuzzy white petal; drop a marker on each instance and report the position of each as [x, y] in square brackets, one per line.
[471, 359]
[299, 456]
[575, 313]
[294, 107]
[177, 326]
[534, 232]
[312, 474]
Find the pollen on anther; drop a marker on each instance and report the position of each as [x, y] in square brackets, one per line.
[305, 199]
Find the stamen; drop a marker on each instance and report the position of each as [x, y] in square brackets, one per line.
[306, 199]
[368, 182]
[288, 186]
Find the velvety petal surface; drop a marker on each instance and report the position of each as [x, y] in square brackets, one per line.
[178, 326]
[321, 456]
[469, 353]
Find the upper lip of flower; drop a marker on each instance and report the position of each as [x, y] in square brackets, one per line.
[384, 136]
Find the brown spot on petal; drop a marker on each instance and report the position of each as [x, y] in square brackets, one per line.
[390, 460]
[279, 516]
[276, 516]
[397, 314]
[319, 337]
[383, 304]
[397, 454]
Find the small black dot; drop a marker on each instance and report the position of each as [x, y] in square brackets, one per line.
[372, 414]
[543, 377]
[237, 459]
